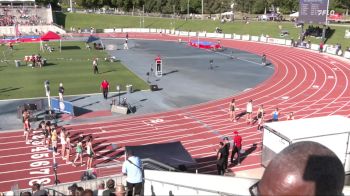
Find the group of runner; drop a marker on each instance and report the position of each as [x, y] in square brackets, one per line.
[260, 114]
[50, 137]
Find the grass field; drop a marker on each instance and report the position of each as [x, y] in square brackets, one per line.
[272, 29]
[72, 67]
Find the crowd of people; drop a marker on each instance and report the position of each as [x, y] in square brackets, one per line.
[24, 16]
[260, 114]
[52, 135]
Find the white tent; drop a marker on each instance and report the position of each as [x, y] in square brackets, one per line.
[294, 15]
[227, 13]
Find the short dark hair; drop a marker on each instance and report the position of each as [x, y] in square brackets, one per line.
[87, 192]
[110, 184]
[130, 153]
[36, 186]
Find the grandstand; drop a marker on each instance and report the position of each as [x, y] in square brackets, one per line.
[19, 17]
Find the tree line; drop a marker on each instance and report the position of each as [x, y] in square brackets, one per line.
[195, 6]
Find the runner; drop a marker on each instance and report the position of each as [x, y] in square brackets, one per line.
[275, 114]
[90, 152]
[48, 134]
[41, 127]
[249, 111]
[232, 108]
[260, 117]
[68, 147]
[54, 141]
[63, 142]
[290, 116]
[26, 130]
[79, 153]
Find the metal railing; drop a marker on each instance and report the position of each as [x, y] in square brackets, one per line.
[190, 187]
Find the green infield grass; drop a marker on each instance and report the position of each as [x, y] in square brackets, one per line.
[72, 67]
[273, 29]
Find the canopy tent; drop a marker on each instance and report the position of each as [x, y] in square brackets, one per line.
[294, 15]
[48, 37]
[92, 38]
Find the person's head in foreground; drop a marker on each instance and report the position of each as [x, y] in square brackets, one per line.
[303, 168]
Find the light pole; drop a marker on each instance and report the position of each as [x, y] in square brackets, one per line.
[47, 90]
[118, 89]
[202, 9]
[188, 8]
[71, 6]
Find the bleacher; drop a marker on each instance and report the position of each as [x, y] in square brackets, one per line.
[25, 18]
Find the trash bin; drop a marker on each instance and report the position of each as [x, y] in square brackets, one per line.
[129, 88]
[17, 63]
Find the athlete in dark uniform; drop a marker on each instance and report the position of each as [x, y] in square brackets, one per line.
[232, 109]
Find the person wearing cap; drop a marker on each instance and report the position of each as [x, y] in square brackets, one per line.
[237, 146]
[60, 92]
[132, 168]
[100, 189]
[110, 188]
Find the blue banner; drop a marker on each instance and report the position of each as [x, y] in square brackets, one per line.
[65, 106]
[313, 11]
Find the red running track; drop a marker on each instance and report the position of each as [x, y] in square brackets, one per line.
[308, 83]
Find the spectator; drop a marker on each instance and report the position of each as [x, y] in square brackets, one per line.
[132, 168]
[87, 192]
[36, 190]
[110, 188]
[100, 188]
[303, 168]
[79, 191]
[72, 189]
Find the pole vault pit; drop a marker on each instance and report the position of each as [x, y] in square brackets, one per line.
[172, 154]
